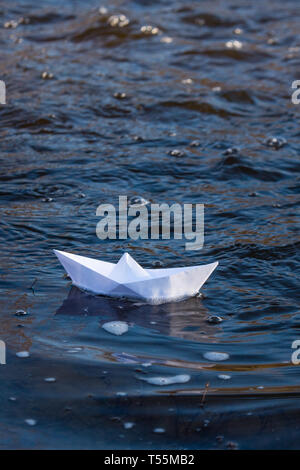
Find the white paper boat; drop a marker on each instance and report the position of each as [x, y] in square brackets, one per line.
[128, 279]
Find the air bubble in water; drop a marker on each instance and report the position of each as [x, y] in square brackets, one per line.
[137, 201]
[118, 21]
[234, 44]
[275, 142]
[21, 313]
[176, 153]
[151, 30]
[214, 319]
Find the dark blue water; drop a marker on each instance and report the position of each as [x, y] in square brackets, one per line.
[219, 72]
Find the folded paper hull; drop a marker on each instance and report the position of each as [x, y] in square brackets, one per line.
[128, 279]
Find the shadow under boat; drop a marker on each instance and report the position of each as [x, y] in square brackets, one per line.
[186, 319]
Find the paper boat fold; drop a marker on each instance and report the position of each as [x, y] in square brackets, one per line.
[128, 279]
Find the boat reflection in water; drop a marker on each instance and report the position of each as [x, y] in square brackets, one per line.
[187, 319]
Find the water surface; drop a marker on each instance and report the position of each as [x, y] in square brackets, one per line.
[218, 73]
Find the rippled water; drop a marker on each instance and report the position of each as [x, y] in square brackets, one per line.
[96, 103]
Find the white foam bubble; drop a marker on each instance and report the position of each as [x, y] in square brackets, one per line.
[30, 422]
[216, 356]
[159, 430]
[128, 425]
[22, 354]
[116, 327]
[224, 377]
[175, 379]
[74, 350]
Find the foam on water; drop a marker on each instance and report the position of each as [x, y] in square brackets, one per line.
[22, 354]
[175, 379]
[216, 356]
[117, 328]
